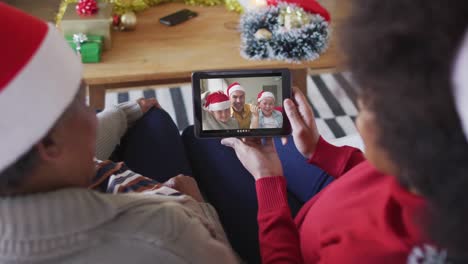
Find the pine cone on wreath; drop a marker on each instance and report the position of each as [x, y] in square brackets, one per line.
[87, 7]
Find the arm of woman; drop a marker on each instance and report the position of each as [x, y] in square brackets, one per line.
[336, 161]
[279, 239]
[113, 122]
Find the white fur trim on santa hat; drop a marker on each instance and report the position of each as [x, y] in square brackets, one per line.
[266, 95]
[234, 88]
[460, 80]
[37, 96]
[219, 106]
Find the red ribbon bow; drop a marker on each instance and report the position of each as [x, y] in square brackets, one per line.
[87, 7]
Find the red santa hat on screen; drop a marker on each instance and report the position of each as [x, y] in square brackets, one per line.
[39, 77]
[235, 86]
[262, 95]
[460, 87]
[217, 101]
[311, 6]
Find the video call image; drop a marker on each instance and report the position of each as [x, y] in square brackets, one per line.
[241, 104]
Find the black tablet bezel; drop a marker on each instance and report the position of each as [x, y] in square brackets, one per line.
[266, 132]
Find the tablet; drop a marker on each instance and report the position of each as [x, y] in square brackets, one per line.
[241, 103]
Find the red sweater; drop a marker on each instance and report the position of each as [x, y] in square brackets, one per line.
[364, 216]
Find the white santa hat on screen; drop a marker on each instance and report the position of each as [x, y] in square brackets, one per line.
[217, 101]
[39, 77]
[235, 86]
[262, 95]
[460, 88]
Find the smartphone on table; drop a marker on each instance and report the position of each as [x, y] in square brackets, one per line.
[178, 17]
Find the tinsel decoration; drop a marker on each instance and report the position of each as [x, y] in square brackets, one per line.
[123, 6]
[296, 35]
[234, 5]
[86, 7]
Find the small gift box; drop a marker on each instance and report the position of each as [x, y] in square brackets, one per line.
[98, 24]
[89, 46]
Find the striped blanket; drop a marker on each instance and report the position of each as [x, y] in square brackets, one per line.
[333, 96]
[114, 177]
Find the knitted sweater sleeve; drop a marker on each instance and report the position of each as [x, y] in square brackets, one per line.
[278, 234]
[336, 161]
[112, 125]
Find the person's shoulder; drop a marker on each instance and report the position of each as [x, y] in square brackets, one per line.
[144, 217]
[247, 107]
[277, 113]
[145, 229]
[138, 226]
[169, 225]
[233, 122]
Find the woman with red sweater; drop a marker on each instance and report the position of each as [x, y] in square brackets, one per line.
[406, 200]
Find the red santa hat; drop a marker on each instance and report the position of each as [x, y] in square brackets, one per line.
[262, 95]
[217, 101]
[235, 86]
[311, 6]
[39, 77]
[460, 87]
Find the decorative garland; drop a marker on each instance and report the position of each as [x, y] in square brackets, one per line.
[234, 5]
[124, 6]
[283, 32]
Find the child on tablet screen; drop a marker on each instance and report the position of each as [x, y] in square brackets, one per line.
[266, 116]
[216, 114]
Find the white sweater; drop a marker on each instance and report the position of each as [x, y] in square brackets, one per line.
[84, 226]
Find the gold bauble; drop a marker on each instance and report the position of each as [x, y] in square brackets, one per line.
[128, 21]
[293, 17]
[263, 33]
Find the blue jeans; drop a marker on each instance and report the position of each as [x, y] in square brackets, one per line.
[154, 148]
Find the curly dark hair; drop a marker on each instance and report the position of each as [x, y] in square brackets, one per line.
[401, 53]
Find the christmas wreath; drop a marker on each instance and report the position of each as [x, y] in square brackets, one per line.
[284, 31]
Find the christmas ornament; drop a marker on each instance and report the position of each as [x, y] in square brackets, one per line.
[128, 21]
[309, 6]
[293, 17]
[263, 33]
[115, 20]
[79, 39]
[87, 7]
[296, 35]
[234, 5]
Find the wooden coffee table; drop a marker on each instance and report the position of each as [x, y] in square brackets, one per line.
[157, 54]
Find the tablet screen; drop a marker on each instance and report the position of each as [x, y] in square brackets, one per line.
[243, 104]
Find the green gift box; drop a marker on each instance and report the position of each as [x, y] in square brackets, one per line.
[90, 49]
[97, 24]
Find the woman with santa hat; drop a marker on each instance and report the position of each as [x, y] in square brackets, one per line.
[51, 208]
[405, 199]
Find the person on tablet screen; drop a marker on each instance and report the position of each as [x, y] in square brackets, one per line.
[266, 116]
[216, 114]
[239, 109]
